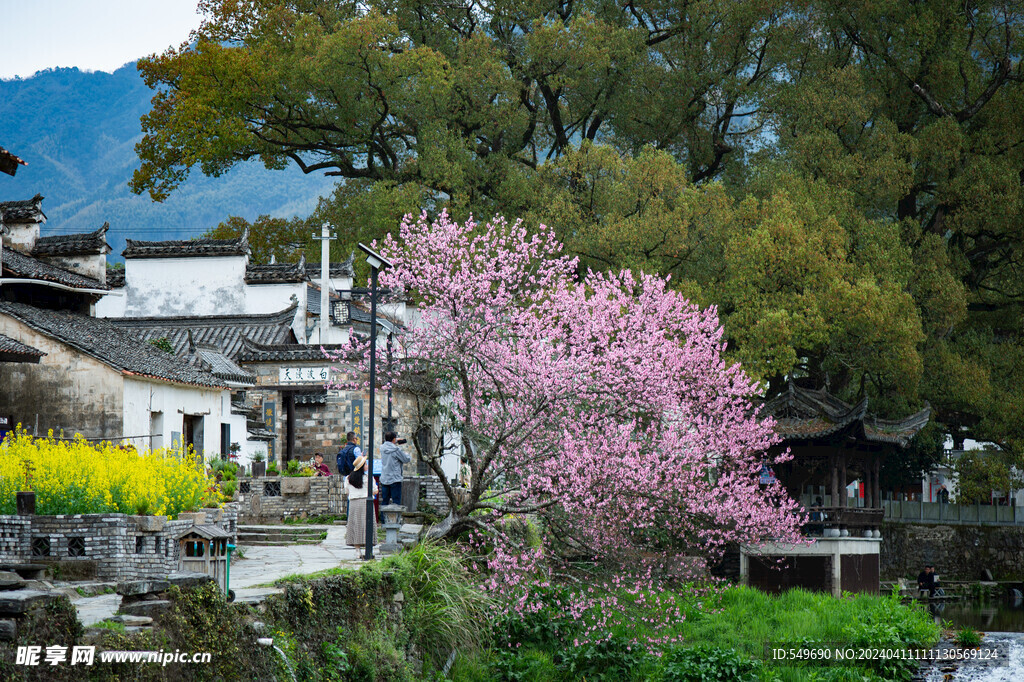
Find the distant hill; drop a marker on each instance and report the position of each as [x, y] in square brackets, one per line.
[78, 130]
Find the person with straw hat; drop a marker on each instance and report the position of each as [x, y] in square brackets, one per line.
[358, 483]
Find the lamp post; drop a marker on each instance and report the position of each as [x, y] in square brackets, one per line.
[376, 262]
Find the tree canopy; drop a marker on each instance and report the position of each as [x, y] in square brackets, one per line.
[843, 180]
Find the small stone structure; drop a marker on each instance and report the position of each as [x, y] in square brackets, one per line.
[271, 498]
[828, 564]
[105, 546]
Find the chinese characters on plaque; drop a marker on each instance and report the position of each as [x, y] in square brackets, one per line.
[304, 375]
[357, 420]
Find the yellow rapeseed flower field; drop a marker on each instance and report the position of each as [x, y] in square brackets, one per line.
[79, 477]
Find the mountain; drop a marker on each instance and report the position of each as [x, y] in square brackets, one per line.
[77, 131]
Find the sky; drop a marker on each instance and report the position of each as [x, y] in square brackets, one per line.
[94, 35]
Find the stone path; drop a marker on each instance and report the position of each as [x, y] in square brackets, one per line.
[261, 566]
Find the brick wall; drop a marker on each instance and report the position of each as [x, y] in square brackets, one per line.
[327, 496]
[104, 546]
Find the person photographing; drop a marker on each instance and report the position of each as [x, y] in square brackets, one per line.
[392, 458]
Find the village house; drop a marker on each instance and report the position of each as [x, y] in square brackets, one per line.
[63, 370]
[204, 294]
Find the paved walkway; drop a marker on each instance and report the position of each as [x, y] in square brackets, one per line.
[264, 565]
[260, 567]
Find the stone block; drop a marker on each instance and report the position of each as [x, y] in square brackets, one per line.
[10, 580]
[150, 609]
[150, 524]
[189, 579]
[132, 620]
[194, 517]
[132, 588]
[294, 485]
[8, 630]
[17, 602]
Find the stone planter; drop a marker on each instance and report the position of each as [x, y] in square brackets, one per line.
[150, 524]
[295, 485]
[259, 469]
[26, 502]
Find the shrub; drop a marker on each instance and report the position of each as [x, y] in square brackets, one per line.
[706, 663]
[968, 638]
[612, 658]
[79, 477]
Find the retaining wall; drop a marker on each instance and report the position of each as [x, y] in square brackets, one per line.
[104, 546]
[959, 552]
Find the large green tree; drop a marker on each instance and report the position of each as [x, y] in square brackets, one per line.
[844, 180]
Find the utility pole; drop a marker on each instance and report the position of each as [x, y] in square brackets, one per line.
[325, 278]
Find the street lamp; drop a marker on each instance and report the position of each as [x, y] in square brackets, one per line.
[376, 262]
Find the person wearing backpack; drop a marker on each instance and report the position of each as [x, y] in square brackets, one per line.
[347, 457]
[348, 454]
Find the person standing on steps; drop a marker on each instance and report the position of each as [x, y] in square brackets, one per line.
[392, 458]
[359, 483]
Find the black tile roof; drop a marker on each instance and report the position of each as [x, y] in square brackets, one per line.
[16, 351]
[343, 269]
[287, 352]
[187, 248]
[276, 273]
[9, 162]
[115, 277]
[225, 332]
[22, 211]
[73, 244]
[20, 265]
[109, 344]
[213, 361]
[806, 414]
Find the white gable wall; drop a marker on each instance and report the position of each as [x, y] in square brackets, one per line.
[144, 397]
[164, 287]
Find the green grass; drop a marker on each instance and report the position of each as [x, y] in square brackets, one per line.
[729, 629]
[111, 625]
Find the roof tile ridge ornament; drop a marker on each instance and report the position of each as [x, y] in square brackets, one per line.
[243, 243]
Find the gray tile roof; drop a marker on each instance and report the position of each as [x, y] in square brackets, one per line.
[16, 351]
[276, 273]
[212, 360]
[9, 162]
[115, 277]
[20, 265]
[187, 248]
[805, 414]
[343, 269]
[287, 352]
[22, 211]
[73, 244]
[109, 344]
[225, 332]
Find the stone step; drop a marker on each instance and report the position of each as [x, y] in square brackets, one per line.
[242, 537]
[127, 620]
[144, 608]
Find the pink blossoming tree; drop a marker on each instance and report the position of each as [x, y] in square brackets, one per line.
[600, 403]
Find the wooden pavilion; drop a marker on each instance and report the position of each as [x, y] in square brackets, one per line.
[834, 443]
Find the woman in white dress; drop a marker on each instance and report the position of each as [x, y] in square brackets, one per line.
[357, 484]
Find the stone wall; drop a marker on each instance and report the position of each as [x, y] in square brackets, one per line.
[958, 552]
[104, 546]
[65, 391]
[432, 492]
[268, 499]
[322, 427]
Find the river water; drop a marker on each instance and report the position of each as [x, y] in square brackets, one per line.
[1003, 627]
